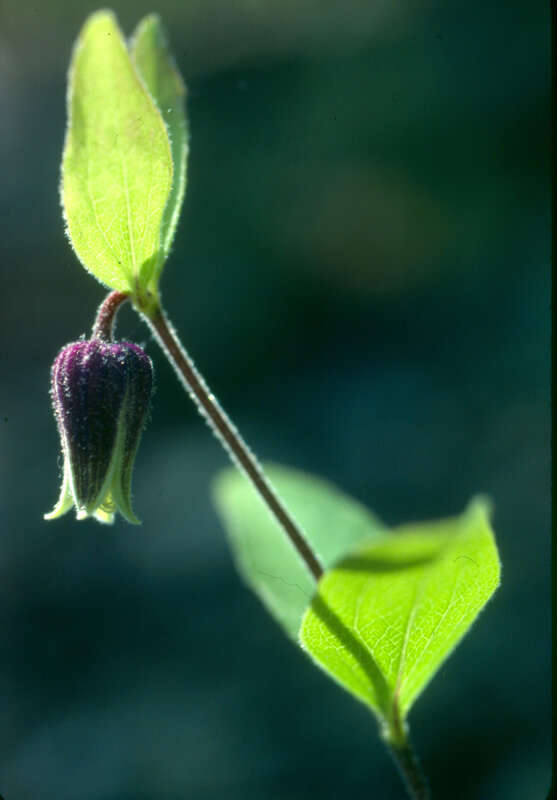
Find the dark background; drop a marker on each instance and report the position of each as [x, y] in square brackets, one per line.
[361, 272]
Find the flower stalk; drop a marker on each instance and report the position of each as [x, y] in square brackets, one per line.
[103, 327]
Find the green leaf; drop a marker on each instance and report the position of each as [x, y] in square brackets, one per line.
[387, 616]
[265, 557]
[156, 67]
[117, 163]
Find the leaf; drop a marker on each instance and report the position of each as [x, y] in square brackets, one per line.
[387, 616]
[117, 163]
[155, 65]
[265, 558]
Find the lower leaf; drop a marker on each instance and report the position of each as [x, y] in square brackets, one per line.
[387, 616]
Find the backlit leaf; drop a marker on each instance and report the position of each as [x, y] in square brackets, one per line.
[156, 67]
[387, 616]
[333, 523]
[117, 162]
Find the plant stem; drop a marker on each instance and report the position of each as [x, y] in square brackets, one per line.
[227, 433]
[103, 327]
[398, 744]
[409, 767]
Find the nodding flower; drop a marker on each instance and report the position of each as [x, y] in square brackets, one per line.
[101, 393]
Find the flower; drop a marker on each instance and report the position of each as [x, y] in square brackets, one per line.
[100, 395]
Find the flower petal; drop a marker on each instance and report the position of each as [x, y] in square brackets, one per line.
[101, 393]
[65, 501]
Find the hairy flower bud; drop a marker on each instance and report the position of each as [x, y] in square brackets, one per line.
[100, 394]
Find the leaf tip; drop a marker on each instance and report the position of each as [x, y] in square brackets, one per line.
[102, 16]
[480, 504]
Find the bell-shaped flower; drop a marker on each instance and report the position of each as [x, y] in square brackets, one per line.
[100, 393]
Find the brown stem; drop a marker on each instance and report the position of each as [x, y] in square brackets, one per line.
[407, 762]
[227, 434]
[398, 743]
[103, 327]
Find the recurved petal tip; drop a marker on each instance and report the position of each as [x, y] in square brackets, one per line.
[65, 501]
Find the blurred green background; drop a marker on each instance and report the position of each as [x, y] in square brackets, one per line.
[362, 274]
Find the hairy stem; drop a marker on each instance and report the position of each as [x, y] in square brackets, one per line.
[227, 433]
[409, 767]
[398, 743]
[103, 327]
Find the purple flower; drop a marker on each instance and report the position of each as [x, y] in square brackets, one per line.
[100, 394]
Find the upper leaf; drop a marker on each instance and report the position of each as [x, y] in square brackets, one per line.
[117, 162]
[265, 557]
[385, 618]
[156, 67]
